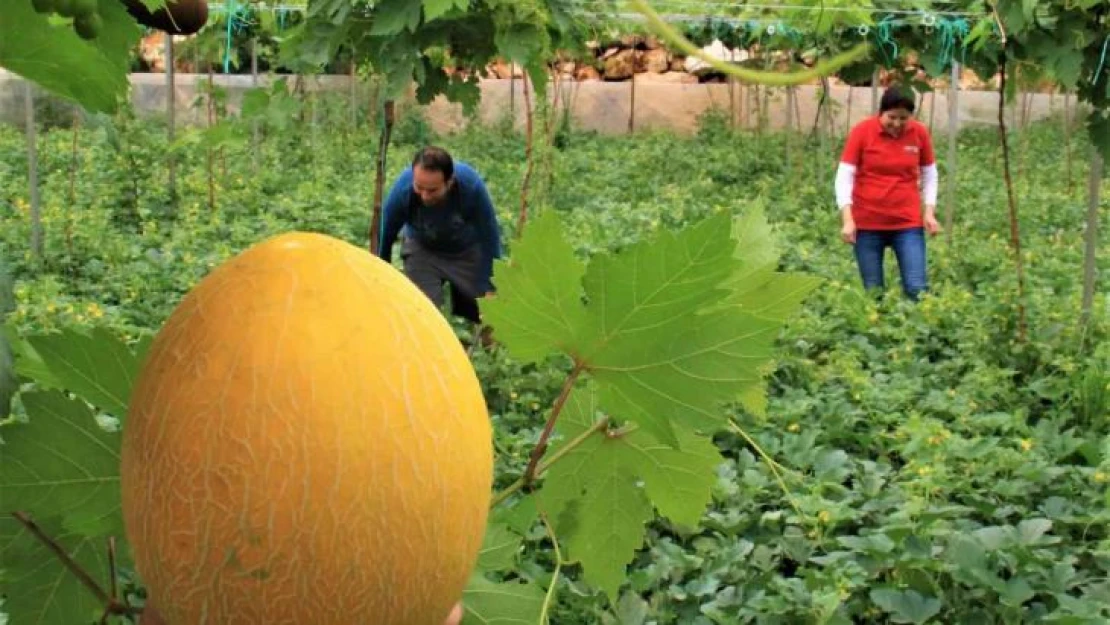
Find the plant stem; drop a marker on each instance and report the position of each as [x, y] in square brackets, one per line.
[73, 165]
[114, 589]
[33, 172]
[379, 176]
[600, 425]
[774, 466]
[1015, 234]
[529, 124]
[545, 618]
[556, 410]
[211, 108]
[1090, 254]
[69, 563]
[171, 119]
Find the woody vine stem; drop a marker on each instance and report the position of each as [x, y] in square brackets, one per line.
[113, 605]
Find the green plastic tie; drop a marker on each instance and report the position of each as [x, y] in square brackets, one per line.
[229, 8]
[885, 38]
[947, 31]
[237, 21]
[1101, 61]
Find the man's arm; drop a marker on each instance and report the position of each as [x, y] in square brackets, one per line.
[394, 214]
[489, 231]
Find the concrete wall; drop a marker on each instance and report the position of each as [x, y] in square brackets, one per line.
[662, 101]
[663, 104]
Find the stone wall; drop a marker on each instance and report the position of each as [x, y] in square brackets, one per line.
[662, 101]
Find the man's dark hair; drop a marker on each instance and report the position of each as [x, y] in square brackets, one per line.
[434, 158]
[897, 97]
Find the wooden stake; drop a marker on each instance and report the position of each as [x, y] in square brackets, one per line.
[33, 171]
[951, 169]
[171, 115]
[632, 105]
[1090, 255]
[379, 180]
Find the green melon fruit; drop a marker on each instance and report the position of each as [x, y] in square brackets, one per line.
[65, 8]
[43, 6]
[84, 7]
[88, 25]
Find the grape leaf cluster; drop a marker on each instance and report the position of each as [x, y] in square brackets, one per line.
[668, 333]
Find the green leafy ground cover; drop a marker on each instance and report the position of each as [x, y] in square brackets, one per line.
[936, 469]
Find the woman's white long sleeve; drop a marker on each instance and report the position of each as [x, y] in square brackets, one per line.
[845, 182]
[929, 184]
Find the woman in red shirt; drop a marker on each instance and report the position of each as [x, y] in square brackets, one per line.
[886, 167]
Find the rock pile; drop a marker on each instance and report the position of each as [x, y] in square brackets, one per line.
[643, 57]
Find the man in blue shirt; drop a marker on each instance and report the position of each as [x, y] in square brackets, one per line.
[451, 234]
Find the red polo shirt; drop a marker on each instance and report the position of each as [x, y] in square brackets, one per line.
[886, 194]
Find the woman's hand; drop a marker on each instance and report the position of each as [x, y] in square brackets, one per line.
[932, 226]
[848, 225]
[848, 230]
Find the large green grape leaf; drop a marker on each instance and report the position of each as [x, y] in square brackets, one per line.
[654, 282]
[758, 287]
[506, 603]
[91, 73]
[1098, 127]
[544, 281]
[499, 548]
[94, 364]
[37, 587]
[61, 463]
[685, 371]
[436, 82]
[643, 339]
[672, 328]
[28, 363]
[602, 492]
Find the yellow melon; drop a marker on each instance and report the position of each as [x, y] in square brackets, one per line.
[307, 443]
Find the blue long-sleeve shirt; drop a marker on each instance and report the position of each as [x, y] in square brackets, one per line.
[466, 218]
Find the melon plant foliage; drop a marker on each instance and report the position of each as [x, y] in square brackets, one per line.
[664, 336]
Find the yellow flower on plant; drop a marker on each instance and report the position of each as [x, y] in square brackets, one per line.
[94, 310]
[1026, 444]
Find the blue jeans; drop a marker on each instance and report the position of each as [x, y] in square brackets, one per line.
[909, 249]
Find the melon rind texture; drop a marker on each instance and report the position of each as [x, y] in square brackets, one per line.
[307, 443]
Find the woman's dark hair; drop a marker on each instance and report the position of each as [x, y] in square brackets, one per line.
[897, 97]
[435, 158]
